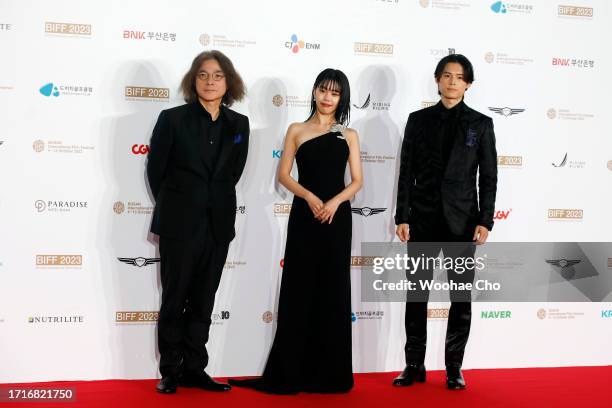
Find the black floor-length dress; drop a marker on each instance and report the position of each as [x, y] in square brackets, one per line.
[311, 351]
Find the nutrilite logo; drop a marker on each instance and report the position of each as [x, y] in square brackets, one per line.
[46, 319]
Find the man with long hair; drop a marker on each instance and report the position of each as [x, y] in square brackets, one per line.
[197, 155]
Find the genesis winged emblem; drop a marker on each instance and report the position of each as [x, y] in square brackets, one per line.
[367, 211]
[505, 111]
[563, 263]
[140, 261]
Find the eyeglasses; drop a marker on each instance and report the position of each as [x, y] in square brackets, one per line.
[216, 76]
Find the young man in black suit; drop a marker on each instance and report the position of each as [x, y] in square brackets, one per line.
[197, 154]
[445, 146]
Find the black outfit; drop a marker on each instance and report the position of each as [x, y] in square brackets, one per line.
[312, 346]
[428, 183]
[442, 151]
[193, 166]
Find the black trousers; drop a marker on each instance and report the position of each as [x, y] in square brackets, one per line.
[190, 274]
[439, 238]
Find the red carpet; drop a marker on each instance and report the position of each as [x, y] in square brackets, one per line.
[528, 387]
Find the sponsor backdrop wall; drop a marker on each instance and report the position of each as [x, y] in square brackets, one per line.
[81, 86]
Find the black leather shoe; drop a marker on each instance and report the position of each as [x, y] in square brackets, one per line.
[454, 378]
[412, 373]
[203, 381]
[167, 385]
[246, 382]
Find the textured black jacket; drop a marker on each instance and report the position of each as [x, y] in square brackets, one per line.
[473, 152]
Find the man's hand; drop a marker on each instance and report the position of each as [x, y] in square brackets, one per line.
[403, 232]
[480, 235]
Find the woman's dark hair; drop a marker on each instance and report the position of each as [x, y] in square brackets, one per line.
[235, 86]
[333, 79]
[468, 69]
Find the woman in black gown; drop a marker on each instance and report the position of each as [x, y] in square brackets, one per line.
[312, 346]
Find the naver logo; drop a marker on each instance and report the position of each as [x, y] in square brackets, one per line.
[496, 314]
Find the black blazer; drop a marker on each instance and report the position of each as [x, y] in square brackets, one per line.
[183, 186]
[473, 150]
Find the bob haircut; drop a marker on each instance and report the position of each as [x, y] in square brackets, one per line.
[333, 79]
[235, 87]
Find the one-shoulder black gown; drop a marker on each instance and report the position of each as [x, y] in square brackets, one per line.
[312, 346]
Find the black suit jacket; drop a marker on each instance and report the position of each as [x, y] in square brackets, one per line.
[187, 192]
[473, 151]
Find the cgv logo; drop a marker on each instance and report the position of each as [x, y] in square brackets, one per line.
[502, 215]
[140, 149]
